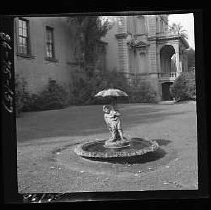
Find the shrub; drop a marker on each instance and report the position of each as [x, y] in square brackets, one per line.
[83, 90]
[184, 87]
[54, 96]
[80, 91]
[20, 94]
[142, 92]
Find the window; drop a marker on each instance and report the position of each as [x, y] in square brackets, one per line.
[161, 26]
[50, 43]
[23, 37]
[140, 25]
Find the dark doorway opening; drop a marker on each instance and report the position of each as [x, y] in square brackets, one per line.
[166, 94]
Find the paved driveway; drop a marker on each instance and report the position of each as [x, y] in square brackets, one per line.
[46, 162]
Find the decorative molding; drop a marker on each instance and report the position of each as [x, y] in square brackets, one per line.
[142, 51]
[141, 44]
[140, 74]
[121, 35]
[164, 37]
[138, 35]
[5, 63]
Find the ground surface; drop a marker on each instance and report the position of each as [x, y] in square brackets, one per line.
[47, 163]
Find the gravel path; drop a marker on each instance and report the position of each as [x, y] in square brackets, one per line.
[47, 163]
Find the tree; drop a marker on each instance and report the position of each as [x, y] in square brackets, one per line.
[89, 30]
[178, 29]
[191, 58]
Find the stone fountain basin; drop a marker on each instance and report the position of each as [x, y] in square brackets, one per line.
[96, 149]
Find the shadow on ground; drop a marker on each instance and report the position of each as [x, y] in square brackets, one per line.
[162, 142]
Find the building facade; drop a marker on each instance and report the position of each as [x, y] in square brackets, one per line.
[144, 47]
[48, 48]
[140, 47]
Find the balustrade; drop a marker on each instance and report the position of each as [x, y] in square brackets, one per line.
[170, 75]
[161, 75]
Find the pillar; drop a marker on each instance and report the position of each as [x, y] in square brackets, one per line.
[153, 57]
[177, 56]
[122, 44]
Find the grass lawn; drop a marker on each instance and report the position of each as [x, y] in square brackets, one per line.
[40, 134]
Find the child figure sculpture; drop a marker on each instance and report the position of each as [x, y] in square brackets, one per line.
[112, 119]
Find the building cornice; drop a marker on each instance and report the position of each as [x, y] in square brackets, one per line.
[164, 37]
[102, 42]
[141, 44]
[169, 37]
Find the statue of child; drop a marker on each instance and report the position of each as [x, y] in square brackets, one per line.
[112, 119]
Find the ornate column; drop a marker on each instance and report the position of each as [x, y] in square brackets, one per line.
[153, 56]
[177, 56]
[122, 44]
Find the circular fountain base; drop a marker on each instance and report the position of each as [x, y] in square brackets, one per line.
[133, 147]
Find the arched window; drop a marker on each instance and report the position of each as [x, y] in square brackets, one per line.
[167, 59]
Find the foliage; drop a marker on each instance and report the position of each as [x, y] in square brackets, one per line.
[191, 58]
[22, 97]
[54, 96]
[132, 42]
[108, 79]
[177, 29]
[19, 92]
[89, 30]
[83, 90]
[142, 92]
[184, 87]
[80, 91]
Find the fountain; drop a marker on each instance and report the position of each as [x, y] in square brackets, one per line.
[98, 150]
[117, 146]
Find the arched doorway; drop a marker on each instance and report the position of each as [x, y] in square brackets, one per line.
[166, 94]
[167, 59]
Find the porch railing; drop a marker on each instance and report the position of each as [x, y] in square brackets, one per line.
[169, 75]
[163, 76]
